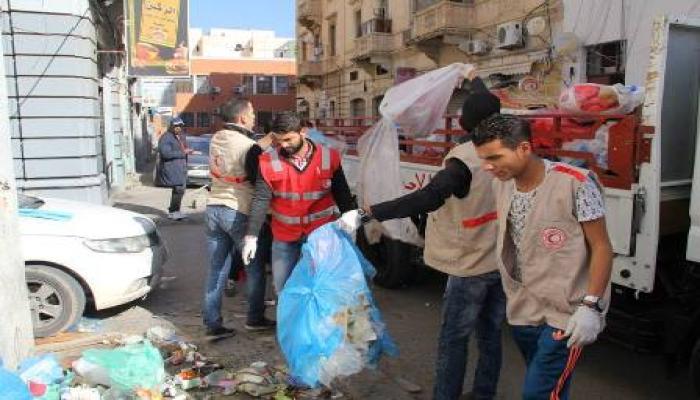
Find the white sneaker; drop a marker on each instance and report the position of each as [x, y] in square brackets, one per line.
[176, 216]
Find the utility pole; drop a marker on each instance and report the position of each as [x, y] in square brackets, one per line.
[16, 333]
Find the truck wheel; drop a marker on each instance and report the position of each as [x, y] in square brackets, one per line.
[56, 299]
[391, 258]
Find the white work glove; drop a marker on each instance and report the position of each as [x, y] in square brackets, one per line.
[250, 247]
[583, 327]
[350, 221]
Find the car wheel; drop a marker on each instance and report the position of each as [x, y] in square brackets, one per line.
[391, 258]
[56, 299]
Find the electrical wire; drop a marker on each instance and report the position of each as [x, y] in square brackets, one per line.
[52, 58]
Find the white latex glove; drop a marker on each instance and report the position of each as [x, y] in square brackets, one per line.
[350, 221]
[583, 327]
[250, 247]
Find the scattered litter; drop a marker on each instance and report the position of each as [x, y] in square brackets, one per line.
[408, 386]
[162, 335]
[136, 366]
[41, 370]
[81, 393]
[87, 325]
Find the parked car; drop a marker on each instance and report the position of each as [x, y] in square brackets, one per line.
[77, 252]
[198, 161]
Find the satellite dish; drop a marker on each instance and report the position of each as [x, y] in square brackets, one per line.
[536, 26]
[565, 44]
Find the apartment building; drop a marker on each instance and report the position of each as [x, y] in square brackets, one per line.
[229, 63]
[351, 51]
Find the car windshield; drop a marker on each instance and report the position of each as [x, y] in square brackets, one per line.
[29, 201]
[200, 145]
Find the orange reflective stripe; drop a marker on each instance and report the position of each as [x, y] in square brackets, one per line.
[478, 221]
[567, 170]
[228, 179]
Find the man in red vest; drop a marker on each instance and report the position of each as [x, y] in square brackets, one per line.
[303, 187]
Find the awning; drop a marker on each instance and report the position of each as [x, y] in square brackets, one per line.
[520, 68]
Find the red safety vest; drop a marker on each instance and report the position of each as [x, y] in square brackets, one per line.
[301, 200]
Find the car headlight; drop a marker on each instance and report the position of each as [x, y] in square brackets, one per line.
[133, 244]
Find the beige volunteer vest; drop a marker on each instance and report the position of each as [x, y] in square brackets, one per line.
[460, 237]
[229, 186]
[554, 259]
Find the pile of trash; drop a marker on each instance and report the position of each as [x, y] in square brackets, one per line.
[158, 365]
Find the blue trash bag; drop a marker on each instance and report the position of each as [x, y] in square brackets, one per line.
[317, 136]
[328, 323]
[12, 387]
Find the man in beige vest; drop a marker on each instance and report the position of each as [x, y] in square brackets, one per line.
[460, 241]
[233, 158]
[553, 251]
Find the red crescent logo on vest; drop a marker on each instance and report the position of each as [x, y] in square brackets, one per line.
[553, 238]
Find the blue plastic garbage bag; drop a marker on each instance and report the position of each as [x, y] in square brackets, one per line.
[318, 137]
[328, 323]
[12, 387]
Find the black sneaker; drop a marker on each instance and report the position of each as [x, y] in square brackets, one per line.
[219, 333]
[263, 325]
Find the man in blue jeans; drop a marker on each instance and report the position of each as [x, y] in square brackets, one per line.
[233, 168]
[553, 251]
[460, 241]
[302, 185]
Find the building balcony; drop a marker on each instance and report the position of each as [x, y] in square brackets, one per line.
[309, 14]
[373, 45]
[310, 69]
[444, 18]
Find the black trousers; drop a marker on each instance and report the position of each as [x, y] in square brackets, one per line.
[176, 196]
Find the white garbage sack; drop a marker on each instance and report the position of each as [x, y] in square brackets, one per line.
[417, 106]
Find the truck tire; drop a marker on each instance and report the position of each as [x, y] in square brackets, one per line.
[56, 299]
[391, 258]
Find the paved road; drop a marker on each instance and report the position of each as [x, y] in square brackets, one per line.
[412, 314]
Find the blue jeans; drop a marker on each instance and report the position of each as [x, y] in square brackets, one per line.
[285, 256]
[225, 228]
[475, 303]
[546, 358]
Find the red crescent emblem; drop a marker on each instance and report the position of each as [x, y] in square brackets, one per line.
[553, 238]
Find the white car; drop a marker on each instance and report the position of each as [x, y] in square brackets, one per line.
[76, 252]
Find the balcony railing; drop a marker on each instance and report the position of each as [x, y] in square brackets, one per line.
[310, 68]
[375, 25]
[443, 17]
[375, 43]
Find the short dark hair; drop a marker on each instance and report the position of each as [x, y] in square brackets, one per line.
[234, 109]
[509, 129]
[286, 121]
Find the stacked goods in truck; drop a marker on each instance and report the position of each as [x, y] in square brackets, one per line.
[594, 98]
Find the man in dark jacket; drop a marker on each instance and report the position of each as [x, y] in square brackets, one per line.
[172, 169]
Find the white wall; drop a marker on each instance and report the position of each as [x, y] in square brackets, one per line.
[600, 21]
[221, 43]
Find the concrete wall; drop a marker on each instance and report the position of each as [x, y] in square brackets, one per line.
[600, 21]
[54, 99]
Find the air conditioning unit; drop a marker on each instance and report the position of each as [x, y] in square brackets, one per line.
[217, 111]
[475, 47]
[318, 51]
[239, 89]
[510, 35]
[215, 90]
